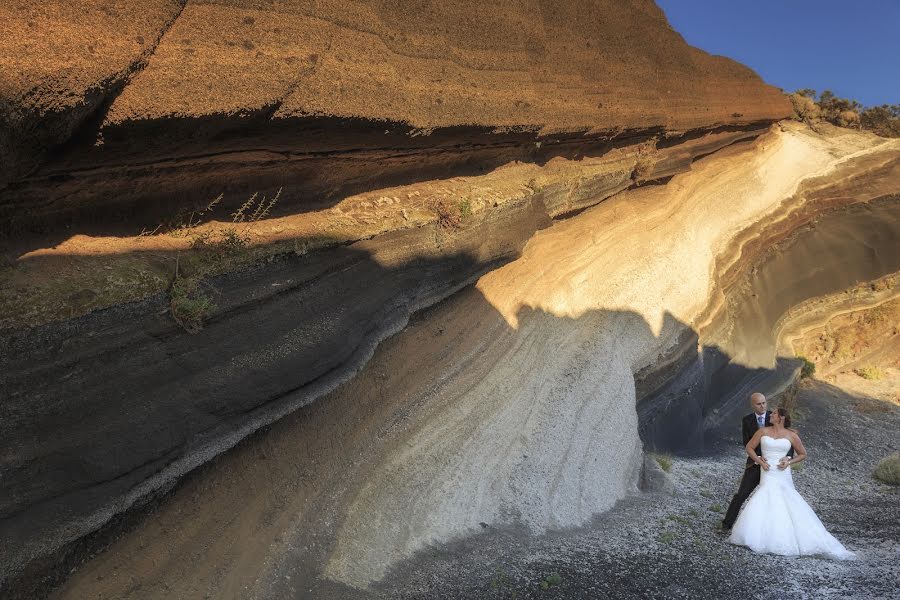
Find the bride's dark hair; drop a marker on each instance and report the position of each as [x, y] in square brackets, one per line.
[785, 416]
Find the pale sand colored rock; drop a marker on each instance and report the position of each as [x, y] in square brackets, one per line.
[550, 437]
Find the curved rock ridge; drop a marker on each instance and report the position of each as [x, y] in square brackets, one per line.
[855, 328]
[400, 457]
[620, 298]
[71, 278]
[331, 98]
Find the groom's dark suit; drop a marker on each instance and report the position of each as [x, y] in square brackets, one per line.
[749, 426]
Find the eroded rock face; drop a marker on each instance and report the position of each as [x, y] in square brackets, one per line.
[61, 62]
[419, 151]
[329, 98]
[530, 414]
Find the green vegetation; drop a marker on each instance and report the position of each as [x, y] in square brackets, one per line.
[664, 461]
[667, 537]
[870, 372]
[888, 470]
[679, 519]
[465, 207]
[808, 369]
[550, 581]
[501, 581]
[190, 305]
[718, 508]
[450, 215]
[882, 120]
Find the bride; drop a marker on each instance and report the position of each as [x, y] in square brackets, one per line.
[776, 518]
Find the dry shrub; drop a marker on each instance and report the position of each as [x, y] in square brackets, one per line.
[805, 108]
[868, 406]
[870, 372]
[449, 216]
[888, 470]
[848, 118]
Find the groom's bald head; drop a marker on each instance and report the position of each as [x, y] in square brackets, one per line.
[758, 402]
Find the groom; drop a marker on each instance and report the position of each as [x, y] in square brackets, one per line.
[758, 419]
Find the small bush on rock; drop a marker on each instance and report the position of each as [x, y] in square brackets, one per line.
[664, 461]
[888, 470]
[189, 304]
[872, 373]
[808, 369]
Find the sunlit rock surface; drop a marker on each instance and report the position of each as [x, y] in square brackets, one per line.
[117, 116]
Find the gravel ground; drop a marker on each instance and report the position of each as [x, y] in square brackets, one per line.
[669, 545]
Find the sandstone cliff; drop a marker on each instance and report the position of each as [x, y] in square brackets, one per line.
[120, 115]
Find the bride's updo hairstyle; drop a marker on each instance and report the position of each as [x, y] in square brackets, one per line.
[785, 416]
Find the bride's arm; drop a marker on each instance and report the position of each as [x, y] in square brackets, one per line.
[799, 450]
[750, 448]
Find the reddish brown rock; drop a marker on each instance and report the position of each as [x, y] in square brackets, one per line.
[60, 61]
[125, 126]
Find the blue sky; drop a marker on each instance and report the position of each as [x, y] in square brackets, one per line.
[851, 48]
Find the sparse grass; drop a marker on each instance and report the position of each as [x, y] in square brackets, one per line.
[227, 240]
[877, 315]
[465, 207]
[870, 372]
[499, 581]
[888, 470]
[551, 580]
[664, 461]
[797, 467]
[678, 519]
[808, 369]
[717, 508]
[189, 303]
[706, 493]
[667, 537]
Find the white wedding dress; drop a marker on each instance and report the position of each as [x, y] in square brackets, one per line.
[776, 518]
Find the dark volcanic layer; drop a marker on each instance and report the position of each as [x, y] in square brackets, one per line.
[123, 397]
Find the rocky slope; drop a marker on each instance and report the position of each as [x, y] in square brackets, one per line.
[491, 279]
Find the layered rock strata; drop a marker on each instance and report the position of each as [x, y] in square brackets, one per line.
[330, 99]
[398, 458]
[418, 151]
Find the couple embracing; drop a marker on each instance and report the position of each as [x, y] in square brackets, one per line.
[775, 519]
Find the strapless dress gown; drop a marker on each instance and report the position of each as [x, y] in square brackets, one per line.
[776, 519]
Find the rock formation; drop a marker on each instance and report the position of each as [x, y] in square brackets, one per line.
[511, 249]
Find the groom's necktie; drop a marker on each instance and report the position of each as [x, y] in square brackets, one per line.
[761, 419]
